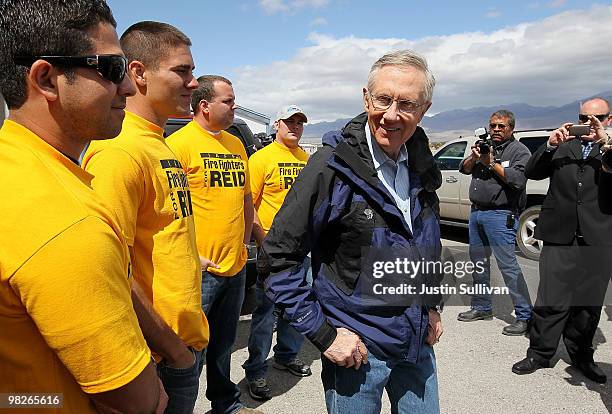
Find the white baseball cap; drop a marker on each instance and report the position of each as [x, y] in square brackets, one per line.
[288, 111]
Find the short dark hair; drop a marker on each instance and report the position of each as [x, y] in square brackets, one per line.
[43, 27]
[206, 89]
[148, 42]
[504, 113]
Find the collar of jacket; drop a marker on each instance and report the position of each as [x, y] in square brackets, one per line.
[354, 147]
[354, 160]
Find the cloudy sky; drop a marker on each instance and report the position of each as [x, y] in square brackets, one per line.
[317, 53]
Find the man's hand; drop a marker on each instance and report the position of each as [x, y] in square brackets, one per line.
[163, 399]
[206, 263]
[477, 156]
[601, 136]
[435, 328]
[487, 159]
[347, 350]
[184, 358]
[560, 135]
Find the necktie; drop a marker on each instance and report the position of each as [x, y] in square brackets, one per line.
[586, 148]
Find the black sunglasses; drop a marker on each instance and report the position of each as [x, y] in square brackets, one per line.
[500, 126]
[585, 118]
[112, 67]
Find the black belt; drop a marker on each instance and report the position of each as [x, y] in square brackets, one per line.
[479, 208]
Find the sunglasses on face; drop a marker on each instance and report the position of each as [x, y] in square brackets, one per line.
[112, 67]
[500, 126]
[585, 118]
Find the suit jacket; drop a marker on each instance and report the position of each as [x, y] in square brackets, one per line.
[579, 195]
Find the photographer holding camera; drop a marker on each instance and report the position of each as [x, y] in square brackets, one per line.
[497, 193]
[575, 225]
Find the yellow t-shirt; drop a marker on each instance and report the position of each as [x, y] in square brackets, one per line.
[217, 171]
[140, 178]
[66, 319]
[273, 170]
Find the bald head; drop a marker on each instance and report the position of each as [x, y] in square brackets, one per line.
[598, 107]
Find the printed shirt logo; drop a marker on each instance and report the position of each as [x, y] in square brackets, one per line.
[288, 171]
[223, 170]
[179, 188]
[368, 213]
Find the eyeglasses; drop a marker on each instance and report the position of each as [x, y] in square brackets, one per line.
[112, 67]
[383, 102]
[500, 126]
[585, 118]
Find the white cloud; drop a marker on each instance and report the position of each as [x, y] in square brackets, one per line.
[319, 21]
[289, 6]
[547, 62]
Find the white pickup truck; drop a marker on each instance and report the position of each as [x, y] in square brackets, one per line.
[454, 194]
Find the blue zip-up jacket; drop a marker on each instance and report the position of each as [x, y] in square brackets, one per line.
[337, 209]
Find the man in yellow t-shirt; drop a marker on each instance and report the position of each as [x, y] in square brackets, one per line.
[141, 179]
[216, 166]
[68, 332]
[273, 170]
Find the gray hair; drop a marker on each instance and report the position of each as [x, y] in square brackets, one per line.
[504, 113]
[405, 58]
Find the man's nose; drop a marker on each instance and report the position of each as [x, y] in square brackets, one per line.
[127, 87]
[391, 112]
[193, 83]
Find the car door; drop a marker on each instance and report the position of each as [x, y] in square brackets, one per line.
[448, 159]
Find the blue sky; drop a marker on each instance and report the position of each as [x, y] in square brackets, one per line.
[316, 53]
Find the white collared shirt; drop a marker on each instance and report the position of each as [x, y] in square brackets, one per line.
[394, 175]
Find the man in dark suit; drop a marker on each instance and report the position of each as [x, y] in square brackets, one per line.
[576, 226]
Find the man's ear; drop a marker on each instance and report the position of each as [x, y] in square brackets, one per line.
[43, 78]
[366, 104]
[203, 105]
[136, 69]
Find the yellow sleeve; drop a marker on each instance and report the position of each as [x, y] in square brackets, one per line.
[174, 144]
[247, 178]
[257, 177]
[119, 181]
[76, 290]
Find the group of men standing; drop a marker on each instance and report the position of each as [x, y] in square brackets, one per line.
[141, 241]
[574, 224]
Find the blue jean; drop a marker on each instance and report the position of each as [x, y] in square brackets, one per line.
[412, 388]
[288, 340]
[488, 232]
[181, 385]
[222, 298]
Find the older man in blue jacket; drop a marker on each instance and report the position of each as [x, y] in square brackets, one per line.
[369, 191]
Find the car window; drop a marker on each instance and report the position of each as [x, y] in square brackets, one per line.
[450, 157]
[533, 143]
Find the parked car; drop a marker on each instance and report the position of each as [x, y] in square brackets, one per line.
[241, 130]
[454, 197]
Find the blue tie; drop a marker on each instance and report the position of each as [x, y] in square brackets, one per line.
[586, 148]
